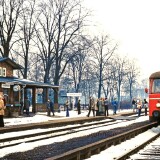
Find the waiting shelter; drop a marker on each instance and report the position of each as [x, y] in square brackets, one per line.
[14, 89]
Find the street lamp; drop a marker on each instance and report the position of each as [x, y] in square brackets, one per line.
[0, 30]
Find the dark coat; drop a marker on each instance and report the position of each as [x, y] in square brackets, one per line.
[26, 103]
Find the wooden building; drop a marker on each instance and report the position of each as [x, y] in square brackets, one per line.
[14, 89]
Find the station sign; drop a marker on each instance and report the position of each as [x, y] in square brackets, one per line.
[6, 85]
[74, 94]
[10, 83]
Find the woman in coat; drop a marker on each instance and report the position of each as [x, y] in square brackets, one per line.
[2, 108]
[139, 107]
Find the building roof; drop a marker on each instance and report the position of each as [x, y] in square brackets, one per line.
[11, 63]
[28, 83]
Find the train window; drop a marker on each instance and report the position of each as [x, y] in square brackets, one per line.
[156, 86]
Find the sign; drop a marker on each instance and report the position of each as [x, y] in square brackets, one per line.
[5, 86]
[74, 94]
[10, 83]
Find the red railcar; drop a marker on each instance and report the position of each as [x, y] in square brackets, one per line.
[154, 96]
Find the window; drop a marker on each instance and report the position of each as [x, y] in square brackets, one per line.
[4, 72]
[156, 86]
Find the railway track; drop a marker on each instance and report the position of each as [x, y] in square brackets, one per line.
[95, 148]
[70, 130]
[148, 150]
[42, 134]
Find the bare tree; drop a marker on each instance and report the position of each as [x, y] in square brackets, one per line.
[59, 27]
[119, 65]
[132, 74]
[108, 80]
[26, 24]
[11, 10]
[103, 51]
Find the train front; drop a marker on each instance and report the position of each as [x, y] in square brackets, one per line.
[154, 97]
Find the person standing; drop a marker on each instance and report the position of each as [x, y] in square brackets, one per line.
[52, 107]
[79, 106]
[92, 106]
[48, 108]
[89, 106]
[27, 105]
[106, 103]
[2, 108]
[133, 104]
[145, 104]
[67, 109]
[139, 107]
[97, 107]
[71, 105]
[114, 105]
[4, 99]
[101, 106]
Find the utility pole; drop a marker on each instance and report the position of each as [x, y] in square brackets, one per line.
[1, 28]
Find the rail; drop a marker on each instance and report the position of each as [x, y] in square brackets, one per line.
[97, 147]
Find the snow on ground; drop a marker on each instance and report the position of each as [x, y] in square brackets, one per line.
[113, 152]
[39, 117]
[42, 117]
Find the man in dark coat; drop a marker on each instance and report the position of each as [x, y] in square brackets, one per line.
[91, 106]
[52, 107]
[106, 106]
[114, 105]
[79, 106]
[145, 103]
[67, 108]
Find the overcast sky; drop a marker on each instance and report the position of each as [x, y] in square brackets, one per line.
[135, 25]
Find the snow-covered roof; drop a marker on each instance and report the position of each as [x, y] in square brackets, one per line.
[15, 80]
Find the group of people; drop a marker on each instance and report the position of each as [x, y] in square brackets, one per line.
[138, 104]
[96, 106]
[101, 106]
[66, 106]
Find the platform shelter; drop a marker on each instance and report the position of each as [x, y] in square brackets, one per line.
[13, 89]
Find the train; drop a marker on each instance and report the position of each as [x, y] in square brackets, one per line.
[154, 96]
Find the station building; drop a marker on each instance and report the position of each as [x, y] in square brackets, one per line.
[15, 89]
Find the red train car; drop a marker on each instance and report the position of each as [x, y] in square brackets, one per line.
[154, 97]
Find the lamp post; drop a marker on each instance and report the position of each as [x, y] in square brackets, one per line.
[22, 107]
[0, 29]
[1, 20]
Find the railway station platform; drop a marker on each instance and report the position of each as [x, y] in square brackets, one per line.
[41, 120]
